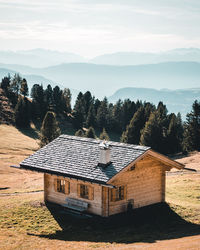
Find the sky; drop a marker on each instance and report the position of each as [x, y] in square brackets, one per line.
[94, 27]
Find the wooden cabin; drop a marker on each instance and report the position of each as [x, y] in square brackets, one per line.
[102, 178]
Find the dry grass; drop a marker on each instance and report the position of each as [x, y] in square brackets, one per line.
[14, 147]
[26, 223]
[183, 194]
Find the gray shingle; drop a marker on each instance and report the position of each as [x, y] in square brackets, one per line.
[78, 157]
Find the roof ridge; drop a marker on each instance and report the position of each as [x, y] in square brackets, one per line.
[111, 143]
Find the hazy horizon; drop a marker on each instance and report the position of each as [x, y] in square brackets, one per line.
[91, 57]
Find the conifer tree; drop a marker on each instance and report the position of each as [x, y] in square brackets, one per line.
[133, 130]
[38, 108]
[90, 133]
[49, 130]
[191, 135]
[91, 119]
[5, 83]
[66, 98]
[174, 135]
[24, 88]
[102, 114]
[152, 133]
[80, 133]
[128, 110]
[22, 113]
[104, 135]
[117, 116]
[57, 99]
[87, 102]
[97, 103]
[16, 83]
[48, 96]
[78, 112]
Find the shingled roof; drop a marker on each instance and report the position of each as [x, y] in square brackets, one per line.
[78, 157]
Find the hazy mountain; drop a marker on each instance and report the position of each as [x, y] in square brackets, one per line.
[23, 69]
[103, 80]
[38, 57]
[179, 100]
[44, 58]
[136, 58]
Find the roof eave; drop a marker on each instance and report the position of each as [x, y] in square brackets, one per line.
[35, 169]
[171, 163]
[162, 158]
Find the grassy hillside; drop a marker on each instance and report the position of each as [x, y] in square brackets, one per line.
[6, 110]
[25, 222]
[14, 147]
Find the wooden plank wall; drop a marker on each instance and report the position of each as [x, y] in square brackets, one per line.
[105, 201]
[95, 205]
[145, 185]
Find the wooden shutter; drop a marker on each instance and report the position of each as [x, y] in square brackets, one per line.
[113, 194]
[78, 190]
[91, 193]
[46, 182]
[67, 187]
[55, 185]
[125, 192]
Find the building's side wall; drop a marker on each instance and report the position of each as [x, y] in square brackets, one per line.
[95, 205]
[105, 201]
[145, 185]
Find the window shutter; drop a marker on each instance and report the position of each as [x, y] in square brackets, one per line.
[55, 184]
[46, 182]
[67, 187]
[113, 194]
[91, 193]
[125, 192]
[79, 190]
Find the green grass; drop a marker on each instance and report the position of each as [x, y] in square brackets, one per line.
[28, 216]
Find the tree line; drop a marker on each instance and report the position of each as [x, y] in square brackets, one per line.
[137, 122]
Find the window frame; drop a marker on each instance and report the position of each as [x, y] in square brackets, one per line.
[62, 186]
[118, 193]
[84, 191]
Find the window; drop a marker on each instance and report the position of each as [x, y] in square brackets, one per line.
[62, 186]
[118, 193]
[85, 191]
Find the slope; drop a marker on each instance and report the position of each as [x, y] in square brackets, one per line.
[6, 110]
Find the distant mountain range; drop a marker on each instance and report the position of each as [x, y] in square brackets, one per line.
[104, 75]
[45, 58]
[104, 80]
[38, 57]
[136, 58]
[179, 100]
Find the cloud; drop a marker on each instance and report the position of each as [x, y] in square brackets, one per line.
[90, 25]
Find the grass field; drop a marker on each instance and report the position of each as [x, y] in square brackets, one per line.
[25, 222]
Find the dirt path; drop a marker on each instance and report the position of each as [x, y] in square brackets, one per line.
[19, 193]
